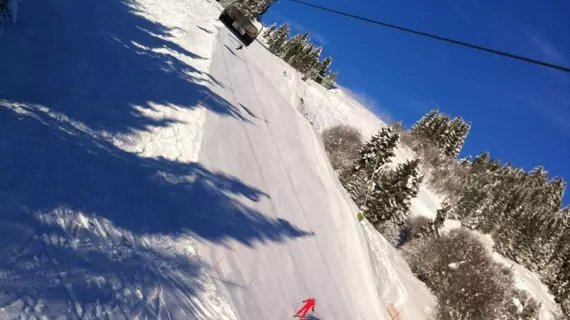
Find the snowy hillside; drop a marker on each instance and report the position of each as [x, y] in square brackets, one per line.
[337, 106]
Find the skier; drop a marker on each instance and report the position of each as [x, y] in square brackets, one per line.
[240, 47]
[308, 304]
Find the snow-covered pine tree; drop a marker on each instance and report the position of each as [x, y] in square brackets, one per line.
[463, 131]
[297, 60]
[269, 30]
[319, 69]
[294, 46]
[438, 130]
[256, 8]
[503, 191]
[557, 276]
[477, 191]
[389, 201]
[562, 249]
[452, 141]
[549, 240]
[537, 226]
[278, 38]
[420, 128]
[375, 153]
[263, 6]
[330, 79]
[310, 60]
[357, 185]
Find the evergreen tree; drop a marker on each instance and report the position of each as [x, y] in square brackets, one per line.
[278, 38]
[269, 30]
[375, 153]
[419, 129]
[453, 139]
[358, 185]
[319, 69]
[256, 8]
[389, 200]
[439, 130]
[294, 46]
[297, 60]
[323, 75]
[309, 60]
[330, 79]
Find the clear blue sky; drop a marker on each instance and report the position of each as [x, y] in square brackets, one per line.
[520, 112]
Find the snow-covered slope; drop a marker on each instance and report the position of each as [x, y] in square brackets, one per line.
[337, 106]
[321, 250]
[271, 146]
[100, 131]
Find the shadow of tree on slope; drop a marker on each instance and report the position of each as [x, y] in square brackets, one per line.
[54, 174]
[101, 63]
[79, 60]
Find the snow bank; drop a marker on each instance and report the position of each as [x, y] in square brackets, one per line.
[395, 281]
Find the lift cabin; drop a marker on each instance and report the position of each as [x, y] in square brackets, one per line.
[245, 29]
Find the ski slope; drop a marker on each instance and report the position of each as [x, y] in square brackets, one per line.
[152, 171]
[271, 146]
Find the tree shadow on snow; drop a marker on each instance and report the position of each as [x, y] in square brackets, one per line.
[99, 62]
[54, 175]
[87, 228]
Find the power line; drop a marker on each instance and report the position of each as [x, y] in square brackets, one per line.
[436, 37]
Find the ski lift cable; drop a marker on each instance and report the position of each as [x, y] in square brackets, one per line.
[436, 37]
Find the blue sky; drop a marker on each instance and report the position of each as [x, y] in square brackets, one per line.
[520, 112]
